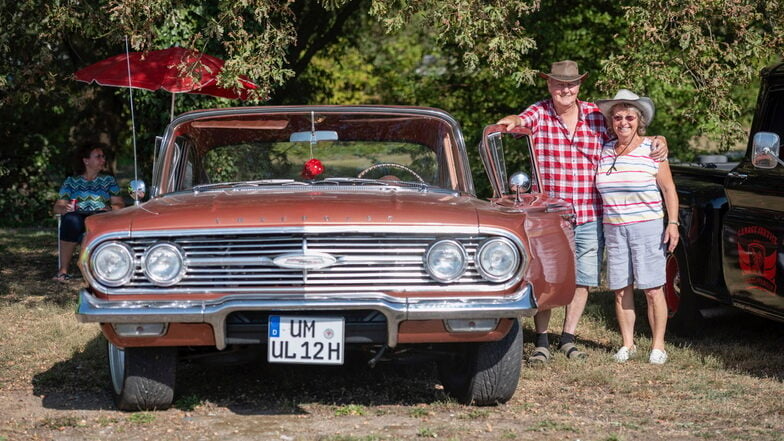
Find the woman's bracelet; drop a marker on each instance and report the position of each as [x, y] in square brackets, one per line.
[674, 223]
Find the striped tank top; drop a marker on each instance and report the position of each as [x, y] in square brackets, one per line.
[629, 191]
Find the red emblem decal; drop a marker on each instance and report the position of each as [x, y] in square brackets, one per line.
[757, 257]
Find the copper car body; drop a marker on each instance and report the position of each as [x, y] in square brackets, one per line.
[236, 231]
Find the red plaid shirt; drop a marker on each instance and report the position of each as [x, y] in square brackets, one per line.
[568, 166]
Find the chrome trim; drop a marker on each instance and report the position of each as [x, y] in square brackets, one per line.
[92, 309]
[409, 278]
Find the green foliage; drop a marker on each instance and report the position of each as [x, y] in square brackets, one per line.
[696, 54]
[476, 59]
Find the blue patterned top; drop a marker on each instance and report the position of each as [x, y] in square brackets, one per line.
[92, 195]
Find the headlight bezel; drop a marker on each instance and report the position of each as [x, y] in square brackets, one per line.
[99, 274]
[460, 251]
[485, 246]
[153, 278]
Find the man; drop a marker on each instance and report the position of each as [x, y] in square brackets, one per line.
[568, 135]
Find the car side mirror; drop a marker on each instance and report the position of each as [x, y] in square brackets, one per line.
[137, 190]
[765, 150]
[519, 182]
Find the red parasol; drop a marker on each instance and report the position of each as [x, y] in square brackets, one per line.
[161, 70]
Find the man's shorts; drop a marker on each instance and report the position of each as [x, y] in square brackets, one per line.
[635, 254]
[588, 244]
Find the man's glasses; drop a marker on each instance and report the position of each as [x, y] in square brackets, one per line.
[628, 118]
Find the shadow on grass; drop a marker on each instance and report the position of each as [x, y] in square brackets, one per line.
[737, 340]
[253, 387]
[81, 382]
[263, 388]
[28, 261]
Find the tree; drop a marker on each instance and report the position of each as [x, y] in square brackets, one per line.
[475, 58]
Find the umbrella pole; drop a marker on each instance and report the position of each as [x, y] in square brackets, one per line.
[171, 114]
[133, 117]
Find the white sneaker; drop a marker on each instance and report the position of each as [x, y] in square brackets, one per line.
[624, 354]
[658, 357]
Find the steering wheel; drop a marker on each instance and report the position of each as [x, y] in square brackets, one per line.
[390, 165]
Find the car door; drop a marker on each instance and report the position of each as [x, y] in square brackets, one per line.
[753, 231]
[545, 220]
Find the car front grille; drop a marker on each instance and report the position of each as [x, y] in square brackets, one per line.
[364, 262]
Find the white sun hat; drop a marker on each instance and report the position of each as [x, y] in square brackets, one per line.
[626, 96]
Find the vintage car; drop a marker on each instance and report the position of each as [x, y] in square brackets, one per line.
[305, 233]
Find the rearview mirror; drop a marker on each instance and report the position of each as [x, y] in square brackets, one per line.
[314, 137]
[765, 150]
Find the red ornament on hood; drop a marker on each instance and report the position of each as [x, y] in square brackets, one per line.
[312, 168]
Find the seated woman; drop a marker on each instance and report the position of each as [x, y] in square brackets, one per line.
[86, 193]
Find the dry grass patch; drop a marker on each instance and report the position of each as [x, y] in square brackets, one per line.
[724, 385]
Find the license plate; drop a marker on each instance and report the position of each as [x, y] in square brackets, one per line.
[306, 340]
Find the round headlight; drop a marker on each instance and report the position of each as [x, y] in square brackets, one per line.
[445, 260]
[112, 263]
[163, 264]
[497, 259]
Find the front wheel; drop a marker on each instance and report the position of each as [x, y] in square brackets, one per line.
[142, 378]
[484, 373]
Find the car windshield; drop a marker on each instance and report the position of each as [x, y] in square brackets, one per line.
[333, 148]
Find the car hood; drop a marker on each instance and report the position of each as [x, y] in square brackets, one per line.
[273, 208]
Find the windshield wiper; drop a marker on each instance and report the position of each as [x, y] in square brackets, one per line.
[422, 186]
[241, 184]
[355, 181]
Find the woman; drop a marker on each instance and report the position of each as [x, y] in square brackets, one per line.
[631, 184]
[86, 193]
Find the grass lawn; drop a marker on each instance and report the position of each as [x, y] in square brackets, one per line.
[725, 384]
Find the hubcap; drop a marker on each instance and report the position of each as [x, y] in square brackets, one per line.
[116, 367]
[672, 289]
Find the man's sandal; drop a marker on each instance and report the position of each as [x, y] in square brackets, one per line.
[62, 277]
[571, 352]
[539, 357]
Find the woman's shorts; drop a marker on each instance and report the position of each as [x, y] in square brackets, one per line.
[635, 254]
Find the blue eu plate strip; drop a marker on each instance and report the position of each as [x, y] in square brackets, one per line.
[274, 326]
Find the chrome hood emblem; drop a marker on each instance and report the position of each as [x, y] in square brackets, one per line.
[308, 261]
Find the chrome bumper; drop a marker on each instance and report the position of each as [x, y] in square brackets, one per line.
[94, 310]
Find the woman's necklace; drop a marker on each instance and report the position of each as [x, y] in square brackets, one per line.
[615, 158]
[626, 147]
